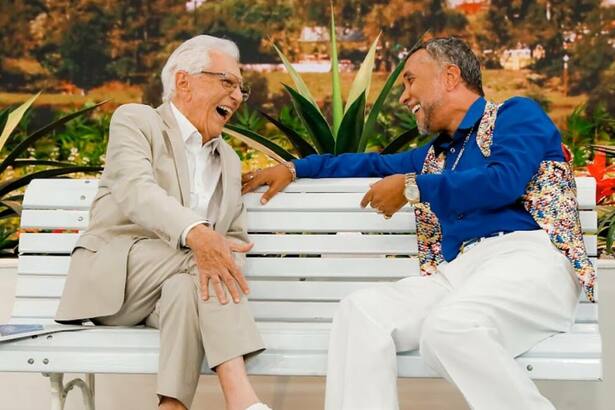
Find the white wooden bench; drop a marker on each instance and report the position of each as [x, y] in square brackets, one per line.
[313, 246]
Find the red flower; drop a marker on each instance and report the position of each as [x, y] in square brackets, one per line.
[567, 153]
[605, 187]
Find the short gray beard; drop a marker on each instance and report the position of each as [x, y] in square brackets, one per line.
[425, 128]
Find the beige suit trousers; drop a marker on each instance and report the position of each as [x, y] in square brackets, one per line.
[164, 292]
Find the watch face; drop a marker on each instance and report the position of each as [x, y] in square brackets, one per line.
[412, 192]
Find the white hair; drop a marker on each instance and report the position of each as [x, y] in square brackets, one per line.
[193, 56]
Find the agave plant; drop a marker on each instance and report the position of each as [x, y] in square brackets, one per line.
[352, 122]
[10, 195]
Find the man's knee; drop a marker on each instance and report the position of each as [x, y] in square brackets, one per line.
[358, 302]
[180, 290]
[447, 328]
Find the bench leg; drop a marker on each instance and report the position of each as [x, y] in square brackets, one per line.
[59, 390]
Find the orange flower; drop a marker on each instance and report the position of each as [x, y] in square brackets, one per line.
[605, 187]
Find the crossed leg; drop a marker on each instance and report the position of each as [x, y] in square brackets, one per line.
[165, 293]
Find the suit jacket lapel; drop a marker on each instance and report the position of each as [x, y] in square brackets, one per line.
[171, 133]
[225, 176]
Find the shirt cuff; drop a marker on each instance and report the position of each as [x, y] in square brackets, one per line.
[184, 234]
[302, 167]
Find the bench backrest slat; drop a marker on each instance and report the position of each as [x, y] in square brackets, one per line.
[275, 221]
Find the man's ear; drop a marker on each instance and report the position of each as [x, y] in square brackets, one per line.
[452, 76]
[182, 82]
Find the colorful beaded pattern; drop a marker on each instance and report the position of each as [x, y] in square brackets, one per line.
[428, 230]
[484, 136]
[551, 199]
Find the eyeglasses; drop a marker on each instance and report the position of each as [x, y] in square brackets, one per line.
[230, 82]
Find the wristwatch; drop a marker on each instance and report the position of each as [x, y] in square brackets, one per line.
[292, 169]
[411, 191]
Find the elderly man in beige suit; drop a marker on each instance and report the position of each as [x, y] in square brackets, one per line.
[167, 232]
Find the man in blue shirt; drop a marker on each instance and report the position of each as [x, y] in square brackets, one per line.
[493, 282]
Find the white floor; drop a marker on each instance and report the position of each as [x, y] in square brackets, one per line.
[136, 392]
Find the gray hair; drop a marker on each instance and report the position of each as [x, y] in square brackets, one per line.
[192, 56]
[453, 50]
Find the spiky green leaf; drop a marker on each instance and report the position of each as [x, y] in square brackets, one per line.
[318, 128]
[14, 117]
[15, 206]
[36, 135]
[39, 162]
[610, 238]
[351, 127]
[399, 142]
[302, 146]
[336, 83]
[4, 116]
[259, 143]
[294, 75]
[363, 78]
[19, 182]
[370, 123]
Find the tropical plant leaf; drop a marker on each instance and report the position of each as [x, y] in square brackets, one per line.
[399, 142]
[15, 206]
[363, 78]
[336, 83]
[610, 238]
[294, 75]
[7, 213]
[370, 123]
[19, 182]
[314, 122]
[4, 115]
[608, 150]
[258, 142]
[302, 146]
[14, 118]
[351, 127]
[40, 162]
[32, 138]
[14, 198]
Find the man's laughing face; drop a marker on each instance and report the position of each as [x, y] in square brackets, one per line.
[423, 91]
[213, 95]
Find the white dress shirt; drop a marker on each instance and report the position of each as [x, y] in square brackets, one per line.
[204, 168]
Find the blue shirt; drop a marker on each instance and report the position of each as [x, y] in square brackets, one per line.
[482, 195]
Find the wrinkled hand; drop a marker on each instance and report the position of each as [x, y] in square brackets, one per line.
[214, 260]
[276, 177]
[387, 195]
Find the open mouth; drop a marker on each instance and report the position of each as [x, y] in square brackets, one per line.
[416, 108]
[224, 111]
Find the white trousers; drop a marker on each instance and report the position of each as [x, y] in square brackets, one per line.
[469, 320]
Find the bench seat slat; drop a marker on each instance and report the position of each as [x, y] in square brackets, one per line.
[283, 336]
[136, 351]
[270, 363]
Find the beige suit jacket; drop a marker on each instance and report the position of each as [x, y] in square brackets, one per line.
[143, 193]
